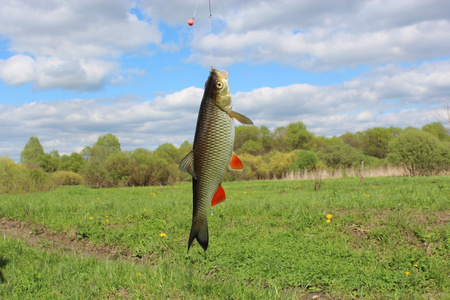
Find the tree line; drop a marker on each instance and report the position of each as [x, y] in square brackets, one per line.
[265, 155]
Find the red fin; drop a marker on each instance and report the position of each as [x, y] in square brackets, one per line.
[219, 196]
[235, 163]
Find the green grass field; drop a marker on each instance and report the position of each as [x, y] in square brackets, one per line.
[388, 238]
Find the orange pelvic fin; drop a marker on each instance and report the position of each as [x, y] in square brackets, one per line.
[219, 196]
[235, 164]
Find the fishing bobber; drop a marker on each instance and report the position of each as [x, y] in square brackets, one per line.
[191, 22]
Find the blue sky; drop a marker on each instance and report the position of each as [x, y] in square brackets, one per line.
[71, 71]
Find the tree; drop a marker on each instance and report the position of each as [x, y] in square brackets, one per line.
[419, 152]
[47, 162]
[266, 138]
[353, 139]
[32, 150]
[376, 142]
[55, 153]
[279, 142]
[244, 134]
[252, 147]
[105, 146]
[73, 163]
[437, 129]
[297, 137]
[338, 155]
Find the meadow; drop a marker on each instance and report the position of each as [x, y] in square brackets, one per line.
[387, 238]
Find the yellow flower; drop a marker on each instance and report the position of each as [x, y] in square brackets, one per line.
[138, 274]
[106, 216]
[406, 273]
[107, 221]
[329, 216]
[416, 265]
[98, 198]
[145, 210]
[162, 234]
[328, 220]
[91, 218]
[79, 205]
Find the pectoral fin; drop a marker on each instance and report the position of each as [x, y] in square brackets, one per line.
[187, 164]
[219, 196]
[235, 164]
[241, 118]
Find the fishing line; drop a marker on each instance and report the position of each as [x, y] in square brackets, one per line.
[195, 10]
[210, 32]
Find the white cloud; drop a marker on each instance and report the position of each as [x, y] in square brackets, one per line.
[382, 98]
[328, 34]
[70, 44]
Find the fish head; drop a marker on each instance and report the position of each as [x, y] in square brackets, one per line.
[220, 91]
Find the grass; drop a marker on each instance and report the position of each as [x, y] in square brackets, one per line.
[388, 238]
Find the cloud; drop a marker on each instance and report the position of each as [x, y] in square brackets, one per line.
[328, 34]
[71, 45]
[386, 96]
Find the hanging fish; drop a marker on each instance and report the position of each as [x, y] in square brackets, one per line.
[212, 152]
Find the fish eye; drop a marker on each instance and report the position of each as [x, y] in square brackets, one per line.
[219, 85]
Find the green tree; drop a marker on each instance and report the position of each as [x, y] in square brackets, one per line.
[266, 138]
[298, 137]
[252, 147]
[244, 134]
[105, 146]
[73, 163]
[419, 152]
[353, 139]
[279, 141]
[438, 130]
[376, 142]
[47, 162]
[32, 150]
[55, 153]
[339, 155]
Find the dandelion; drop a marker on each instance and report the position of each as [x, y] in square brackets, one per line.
[79, 205]
[107, 221]
[162, 234]
[106, 217]
[329, 216]
[138, 274]
[328, 220]
[98, 198]
[406, 273]
[416, 265]
[145, 210]
[91, 218]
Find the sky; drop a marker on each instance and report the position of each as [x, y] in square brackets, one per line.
[71, 71]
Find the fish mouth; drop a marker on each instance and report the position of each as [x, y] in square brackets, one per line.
[221, 73]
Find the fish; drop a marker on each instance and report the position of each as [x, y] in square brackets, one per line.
[212, 152]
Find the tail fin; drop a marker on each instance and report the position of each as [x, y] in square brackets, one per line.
[199, 231]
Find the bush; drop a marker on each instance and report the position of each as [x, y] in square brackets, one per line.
[68, 178]
[19, 179]
[340, 156]
[306, 160]
[419, 152]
